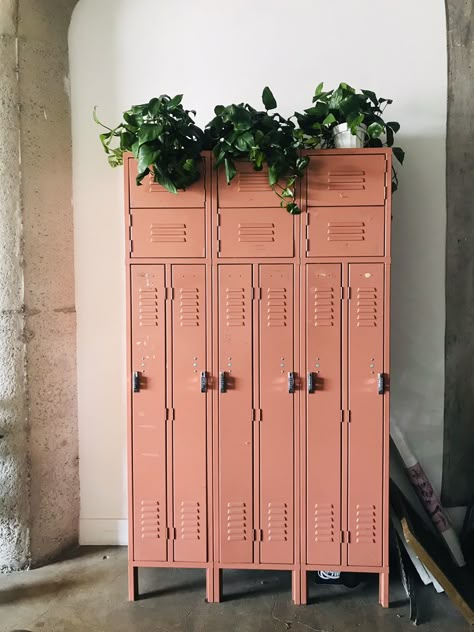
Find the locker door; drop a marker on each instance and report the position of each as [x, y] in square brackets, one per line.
[276, 360]
[148, 413]
[323, 423]
[365, 345]
[189, 403]
[235, 402]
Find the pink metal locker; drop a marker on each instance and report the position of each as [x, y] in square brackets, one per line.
[323, 413]
[277, 388]
[235, 413]
[366, 389]
[189, 371]
[148, 413]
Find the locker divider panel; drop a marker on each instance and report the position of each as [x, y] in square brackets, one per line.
[365, 346]
[189, 359]
[235, 412]
[323, 411]
[276, 459]
[148, 413]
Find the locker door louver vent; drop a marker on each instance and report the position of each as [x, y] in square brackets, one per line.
[253, 232]
[276, 307]
[366, 524]
[324, 303]
[324, 528]
[253, 181]
[189, 307]
[190, 520]
[345, 180]
[167, 232]
[366, 307]
[235, 307]
[277, 522]
[148, 310]
[150, 527]
[236, 522]
[346, 231]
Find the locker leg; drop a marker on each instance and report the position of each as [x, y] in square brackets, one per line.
[384, 589]
[304, 587]
[132, 583]
[209, 585]
[217, 585]
[296, 586]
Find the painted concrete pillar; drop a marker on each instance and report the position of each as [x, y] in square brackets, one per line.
[39, 501]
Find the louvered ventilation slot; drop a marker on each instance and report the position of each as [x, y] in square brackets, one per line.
[236, 522]
[276, 307]
[366, 524]
[345, 181]
[366, 307]
[189, 307]
[167, 233]
[324, 526]
[148, 307]
[235, 307]
[277, 522]
[253, 181]
[346, 231]
[150, 527]
[259, 233]
[190, 520]
[324, 304]
[155, 187]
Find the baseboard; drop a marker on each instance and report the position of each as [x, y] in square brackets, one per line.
[100, 532]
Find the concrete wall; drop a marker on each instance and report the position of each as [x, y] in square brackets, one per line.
[218, 53]
[39, 501]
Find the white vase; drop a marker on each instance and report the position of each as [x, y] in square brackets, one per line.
[345, 139]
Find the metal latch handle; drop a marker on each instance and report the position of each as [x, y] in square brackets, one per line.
[381, 383]
[136, 382]
[203, 382]
[291, 382]
[311, 384]
[222, 384]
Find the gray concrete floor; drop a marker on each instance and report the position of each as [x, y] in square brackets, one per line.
[88, 592]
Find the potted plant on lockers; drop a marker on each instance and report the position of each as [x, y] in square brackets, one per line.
[264, 137]
[163, 138]
[345, 118]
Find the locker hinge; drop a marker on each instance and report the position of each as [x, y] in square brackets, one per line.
[349, 293]
[307, 234]
[218, 233]
[345, 537]
[342, 293]
[257, 414]
[169, 414]
[256, 293]
[169, 293]
[171, 533]
[130, 240]
[258, 535]
[345, 416]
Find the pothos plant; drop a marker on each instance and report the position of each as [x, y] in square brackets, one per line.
[346, 105]
[241, 132]
[163, 138]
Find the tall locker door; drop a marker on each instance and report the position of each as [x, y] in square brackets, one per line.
[365, 347]
[148, 412]
[188, 343]
[276, 364]
[323, 406]
[235, 403]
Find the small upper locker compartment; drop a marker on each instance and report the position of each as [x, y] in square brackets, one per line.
[165, 224]
[251, 222]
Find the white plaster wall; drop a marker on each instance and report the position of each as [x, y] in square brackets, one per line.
[126, 52]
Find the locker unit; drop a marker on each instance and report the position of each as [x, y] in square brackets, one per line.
[258, 365]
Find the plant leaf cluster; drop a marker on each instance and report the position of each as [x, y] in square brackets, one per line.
[346, 105]
[163, 138]
[240, 132]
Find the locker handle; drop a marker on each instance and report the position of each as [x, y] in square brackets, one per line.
[136, 382]
[291, 382]
[203, 382]
[381, 383]
[311, 385]
[222, 383]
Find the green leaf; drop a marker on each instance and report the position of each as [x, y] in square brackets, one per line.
[319, 89]
[167, 183]
[394, 126]
[399, 154]
[268, 99]
[174, 102]
[372, 96]
[273, 175]
[149, 132]
[146, 157]
[330, 119]
[375, 130]
[293, 208]
[230, 169]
